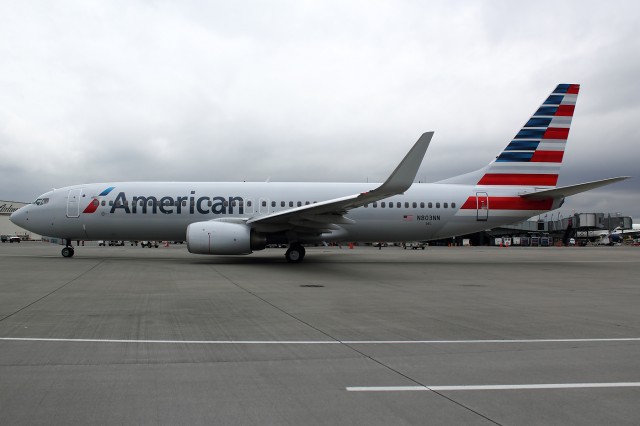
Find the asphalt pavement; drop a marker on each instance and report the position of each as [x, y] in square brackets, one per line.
[464, 335]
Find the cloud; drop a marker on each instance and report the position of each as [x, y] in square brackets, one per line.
[305, 91]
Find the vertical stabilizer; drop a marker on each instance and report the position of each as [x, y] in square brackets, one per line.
[534, 156]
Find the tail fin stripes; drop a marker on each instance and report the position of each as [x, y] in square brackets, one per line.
[534, 155]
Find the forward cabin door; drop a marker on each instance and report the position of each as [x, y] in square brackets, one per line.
[73, 202]
[482, 206]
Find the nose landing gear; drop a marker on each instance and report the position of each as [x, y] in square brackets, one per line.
[68, 250]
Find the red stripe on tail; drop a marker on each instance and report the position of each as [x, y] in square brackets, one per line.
[547, 157]
[556, 133]
[565, 110]
[519, 179]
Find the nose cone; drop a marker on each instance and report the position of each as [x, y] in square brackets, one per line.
[20, 217]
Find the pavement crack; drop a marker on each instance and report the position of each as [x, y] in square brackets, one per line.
[356, 350]
[52, 291]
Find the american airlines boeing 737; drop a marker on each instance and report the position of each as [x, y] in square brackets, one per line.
[238, 218]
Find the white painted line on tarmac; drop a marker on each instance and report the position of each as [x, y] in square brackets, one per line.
[315, 342]
[447, 342]
[179, 342]
[491, 387]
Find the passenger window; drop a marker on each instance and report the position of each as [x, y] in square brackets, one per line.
[430, 205]
[375, 205]
[111, 202]
[383, 204]
[437, 205]
[299, 203]
[273, 204]
[103, 203]
[290, 203]
[415, 204]
[445, 205]
[306, 203]
[422, 204]
[406, 205]
[453, 205]
[264, 204]
[399, 204]
[282, 204]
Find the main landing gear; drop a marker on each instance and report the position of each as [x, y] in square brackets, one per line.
[68, 250]
[295, 253]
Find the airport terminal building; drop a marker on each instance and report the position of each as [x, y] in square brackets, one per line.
[8, 228]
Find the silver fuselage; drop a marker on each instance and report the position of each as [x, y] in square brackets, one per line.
[163, 210]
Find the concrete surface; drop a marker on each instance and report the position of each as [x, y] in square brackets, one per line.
[125, 335]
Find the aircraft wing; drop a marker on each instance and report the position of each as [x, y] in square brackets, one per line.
[566, 191]
[324, 214]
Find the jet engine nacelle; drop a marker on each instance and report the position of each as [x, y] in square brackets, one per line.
[215, 237]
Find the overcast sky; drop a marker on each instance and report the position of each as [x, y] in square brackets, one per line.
[95, 91]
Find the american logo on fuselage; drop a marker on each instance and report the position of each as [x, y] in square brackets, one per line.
[189, 204]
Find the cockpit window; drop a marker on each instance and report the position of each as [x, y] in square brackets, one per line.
[41, 201]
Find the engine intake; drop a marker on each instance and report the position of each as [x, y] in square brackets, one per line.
[215, 237]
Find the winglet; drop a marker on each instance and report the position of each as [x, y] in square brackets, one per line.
[403, 176]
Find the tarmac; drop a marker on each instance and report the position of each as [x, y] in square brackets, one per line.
[464, 335]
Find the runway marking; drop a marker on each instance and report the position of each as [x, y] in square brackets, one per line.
[315, 342]
[491, 387]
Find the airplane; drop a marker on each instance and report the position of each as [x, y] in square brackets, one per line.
[604, 236]
[227, 218]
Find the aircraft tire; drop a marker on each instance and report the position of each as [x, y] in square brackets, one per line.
[295, 253]
[67, 252]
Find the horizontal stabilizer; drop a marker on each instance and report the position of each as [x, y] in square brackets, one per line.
[566, 191]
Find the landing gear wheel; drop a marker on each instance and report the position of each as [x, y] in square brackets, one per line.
[67, 252]
[295, 254]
